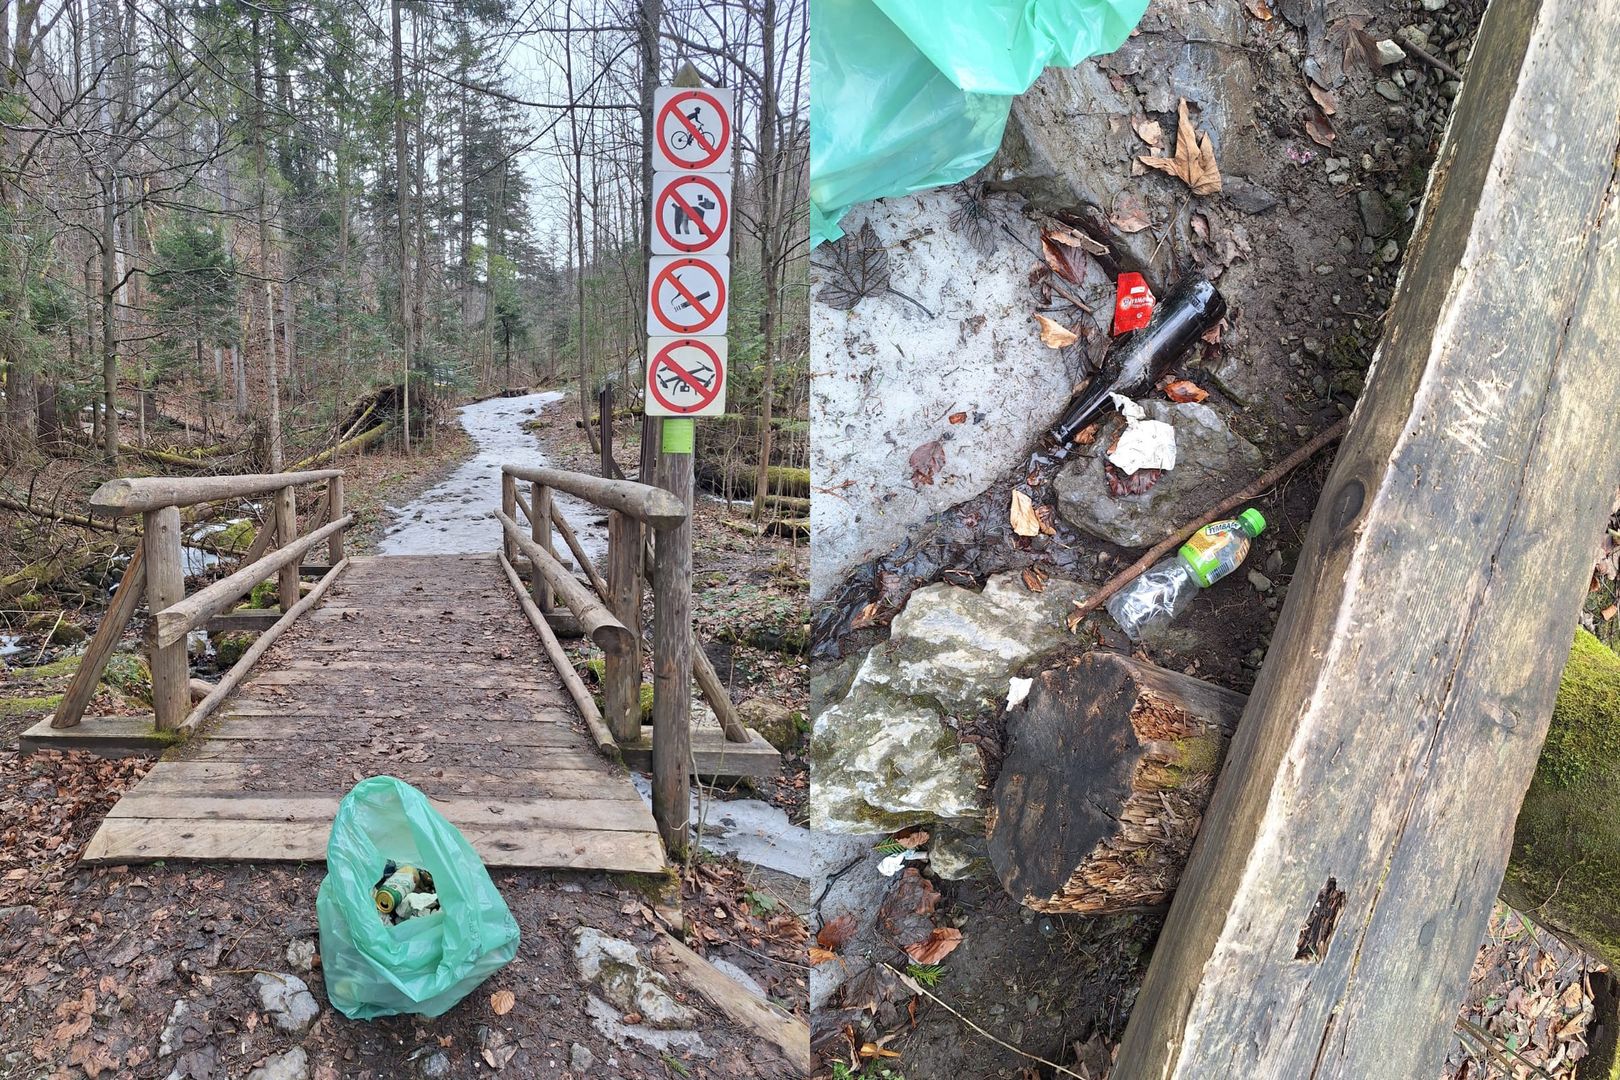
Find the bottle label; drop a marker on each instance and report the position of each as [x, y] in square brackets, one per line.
[1215, 551]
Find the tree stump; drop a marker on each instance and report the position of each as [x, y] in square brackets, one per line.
[1110, 766]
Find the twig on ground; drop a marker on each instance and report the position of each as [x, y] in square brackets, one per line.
[918, 988]
[1429, 58]
[1082, 608]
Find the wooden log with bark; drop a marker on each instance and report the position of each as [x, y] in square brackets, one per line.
[1111, 763]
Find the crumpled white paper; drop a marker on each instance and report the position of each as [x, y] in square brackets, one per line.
[1018, 690]
[1144, 444]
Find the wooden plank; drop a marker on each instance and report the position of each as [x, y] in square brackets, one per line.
[103, 642]
[487, 681]
[600, 815]
[109, 736]
[165, 585]
[346, 757]
[592, 780]
[712, 754]
[640, 501]
[238, 622]
[251, 654]
[1345, 874]
[123, 497]
[329, 731]
[767, 1021]
[137, 840]
[175, 620]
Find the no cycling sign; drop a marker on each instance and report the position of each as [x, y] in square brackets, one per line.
[691, 130]
[687, 295]
[686, 376]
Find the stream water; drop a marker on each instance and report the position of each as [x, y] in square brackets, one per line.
[453, 516]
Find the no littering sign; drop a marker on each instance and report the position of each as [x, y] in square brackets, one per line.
[686, 376]
[688, 294]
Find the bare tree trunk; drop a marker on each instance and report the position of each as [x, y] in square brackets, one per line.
[109, 324]
[770, 272]
[272, 380]
[402, 183]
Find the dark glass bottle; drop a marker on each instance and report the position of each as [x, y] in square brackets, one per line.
[1138, 360]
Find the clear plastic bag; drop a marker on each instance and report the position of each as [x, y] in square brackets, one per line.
[423, 965]
[1147, 605]
[913, 94]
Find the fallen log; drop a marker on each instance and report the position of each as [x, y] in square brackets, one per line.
[787, 528]
[55, 516]
[359, 442]
[737, 478]
[1111, 764]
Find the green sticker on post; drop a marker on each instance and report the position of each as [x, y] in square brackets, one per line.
[679, 435]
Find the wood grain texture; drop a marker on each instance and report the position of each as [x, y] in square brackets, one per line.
[86, 680]
[165, 585]
[594, 617]
[122, 497]
[641, 501]
[770, 1023]
[1396, 722]
[672, 660]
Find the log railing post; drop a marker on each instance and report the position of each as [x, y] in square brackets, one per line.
[604, 414]
[509, 508]
[672, 661]
[286, 532]
[334, 511]
[540, 531]
[165, 585]
[621, 682]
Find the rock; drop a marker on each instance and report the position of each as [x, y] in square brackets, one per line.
[606, 1020]
[777, 723]
[180, 1030]
[67, 633]
[1375, 215]
[1389, 252]
[1386, 89]
[1413, 36]
[289, 1065]
[287, 1000]
[1260, 582]
[885, 756]
[1390, 52]
[301, 954]
[435, 1066]
[616, 969]
[1208, 456]
[739, 976]
[955, 857]
[1246, 195]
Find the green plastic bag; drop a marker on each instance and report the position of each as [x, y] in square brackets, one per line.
[423, 965]
[912, 94]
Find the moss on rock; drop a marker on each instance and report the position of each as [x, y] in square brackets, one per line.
[1565, 869]
[228, 648]
[129, 675]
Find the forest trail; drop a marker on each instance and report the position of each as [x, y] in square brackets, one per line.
[452, 517]
[420, 667]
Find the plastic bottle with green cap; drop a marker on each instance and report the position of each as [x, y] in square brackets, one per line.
[1148, 604]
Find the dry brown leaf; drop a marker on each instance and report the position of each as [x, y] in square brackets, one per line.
[1610, 612]
[1200, 226]
[1022, 515]
[1087, 435]
[1034, 579]
[1054, 335]
[1320, 129]
[818, 955]
[957, 417]
[873, 1050]
[1194, 160]
[1213, 334]
[1324, 99]
[938, 945]
[835, 933]
[1183, 390]
[502, 1001]
[867, 616]
[1129, 215]
[925, 462]
[1149, 131]
[1076, 239]
[912, 840]
[1064, 250]
[1259, 9]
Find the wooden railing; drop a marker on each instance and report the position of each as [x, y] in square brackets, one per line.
[609, 613]
[158, 569]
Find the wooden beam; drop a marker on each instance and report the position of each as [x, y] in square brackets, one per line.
[178, 619]
[1336, 897]
[540, 533]
[103, 642]
[287, 525]
[621, 675]
[565, 669]
[165, 585]
[334, 511]
[598, 622]
[768, 1022]
[566, 531]
[126, 496]
[712, 754]
[672, 660]
[654, 506]
[251, 654]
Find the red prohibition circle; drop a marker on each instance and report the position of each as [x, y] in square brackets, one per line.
[709, 236]
[664, 359]
[666, 276]
[715, 151]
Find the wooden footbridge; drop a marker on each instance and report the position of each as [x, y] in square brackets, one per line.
[445, 671]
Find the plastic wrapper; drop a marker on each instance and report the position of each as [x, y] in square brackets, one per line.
[423, 965]
[1147, 605]
[913, 94]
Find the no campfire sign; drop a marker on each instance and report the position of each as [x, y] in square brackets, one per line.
[691, 130]
[686, 376]
[687, 295]
[691, 213]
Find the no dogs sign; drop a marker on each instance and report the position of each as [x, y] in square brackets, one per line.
[686, 376]
[687, 294]
[691, 213]
[691, 130]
